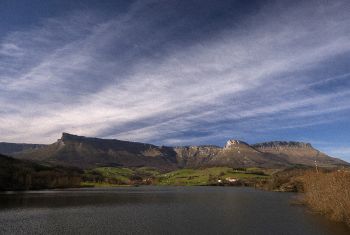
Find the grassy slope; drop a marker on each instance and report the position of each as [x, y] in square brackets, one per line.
[179, 177]
[23, 175]
[122, 174]
[205, 176]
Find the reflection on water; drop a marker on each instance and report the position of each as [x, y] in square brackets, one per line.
[158, 210]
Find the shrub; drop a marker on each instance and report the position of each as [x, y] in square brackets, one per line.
[329, 193]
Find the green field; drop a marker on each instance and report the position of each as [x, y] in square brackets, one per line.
[107, 176]
[206, 176]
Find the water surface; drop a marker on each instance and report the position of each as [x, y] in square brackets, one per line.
[159, 210]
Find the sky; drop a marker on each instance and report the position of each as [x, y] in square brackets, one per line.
[176, 72]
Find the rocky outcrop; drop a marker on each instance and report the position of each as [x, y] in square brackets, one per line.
[235, 144]
[196, 156]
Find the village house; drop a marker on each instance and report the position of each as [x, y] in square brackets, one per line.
[231, 180]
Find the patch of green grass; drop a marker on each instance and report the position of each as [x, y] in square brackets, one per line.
[117, 175]
[147, 171]
[114, 170]
[204, 176]
[184, 177]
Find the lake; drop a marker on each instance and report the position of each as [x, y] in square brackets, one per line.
[159, 210]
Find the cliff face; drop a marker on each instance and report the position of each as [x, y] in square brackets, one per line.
[85, 152]
[196, 156]
[298, 153]
[236, 153]
[283, 144]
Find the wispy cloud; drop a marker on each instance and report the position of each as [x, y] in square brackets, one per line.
[132, 76]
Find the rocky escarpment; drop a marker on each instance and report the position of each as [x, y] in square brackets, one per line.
[196, 156]
[283, 144]
[236, 153]
[86, 152]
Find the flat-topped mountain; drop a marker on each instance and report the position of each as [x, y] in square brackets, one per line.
[298, 153]
[86, 152]
[282, 144]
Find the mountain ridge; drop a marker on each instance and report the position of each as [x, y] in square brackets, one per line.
[277, 144]
[88, 152]
[11, 148]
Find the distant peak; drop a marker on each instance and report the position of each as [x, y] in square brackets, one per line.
[277, 144]
[231, 143]
[67, 136]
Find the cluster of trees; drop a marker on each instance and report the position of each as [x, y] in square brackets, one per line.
[22, 175]
[287, 180]
[93, 176]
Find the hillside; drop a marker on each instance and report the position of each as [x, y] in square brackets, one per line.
[13, 148]
[86, 152]
[20, 175]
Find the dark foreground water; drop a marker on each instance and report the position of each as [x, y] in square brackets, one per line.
[159, 210]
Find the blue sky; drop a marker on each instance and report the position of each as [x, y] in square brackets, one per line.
[176, 72]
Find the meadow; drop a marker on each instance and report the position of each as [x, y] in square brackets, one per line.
[182, 177]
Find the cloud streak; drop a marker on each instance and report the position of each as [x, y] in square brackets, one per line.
[141, 76]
